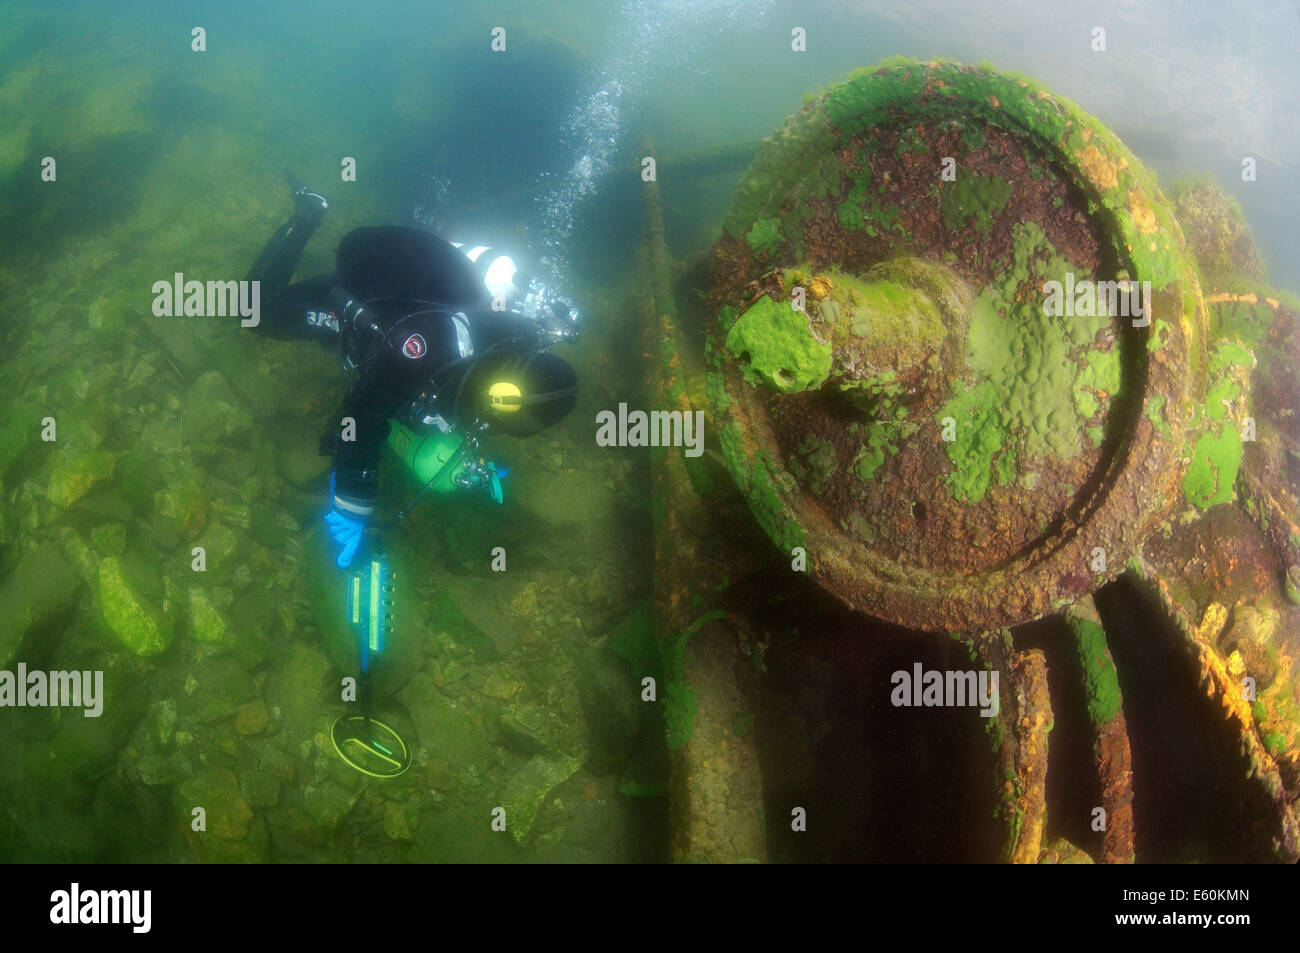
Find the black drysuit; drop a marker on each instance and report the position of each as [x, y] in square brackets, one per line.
[427, 331]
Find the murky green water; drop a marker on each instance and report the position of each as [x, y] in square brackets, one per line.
[220, 686]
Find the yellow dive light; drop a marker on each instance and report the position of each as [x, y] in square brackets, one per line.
[504, 397]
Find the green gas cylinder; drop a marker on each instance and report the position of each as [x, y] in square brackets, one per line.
[434, 458]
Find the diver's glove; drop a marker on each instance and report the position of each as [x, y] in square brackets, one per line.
[347, 523]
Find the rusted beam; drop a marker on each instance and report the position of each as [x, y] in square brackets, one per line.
[1110, 742]
[715, 785]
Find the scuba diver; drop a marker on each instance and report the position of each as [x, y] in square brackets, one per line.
[439, 338]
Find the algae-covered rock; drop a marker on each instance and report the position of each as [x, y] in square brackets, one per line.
[209, 625]
[161, 720]
[220, 548]
[466, 610]
[1253, 624]
[109, 538]
[400, 818]
[73, 476]
[168, 768]
[180, 510]
[259, 789]
[299, 459]
[529, 787]
[137, 477]
[140, 626]
[40, 585]
[328, 802]
[222, 685]
[275, 761]
[211, 411]
[15, 434]
[251, 717]
[298, 686]
[216, 790]
[445, 729]
[80, 556]
[526, 727]
[1250, 638]
[83, 747]
[293, 833]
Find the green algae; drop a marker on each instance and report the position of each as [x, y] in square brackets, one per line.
[1228, 354]
[1101, 683]
[881, 437]
[1220, 397]
[1117, 183]
[1246, 322]
[885, 323]
[139, 625]
[979, 439]
[910, 142]
[861, 211]
[763, 483]
[1100, 374]
[75, 475]
[1159, 335]
[1212, 473]
[1154, 413]
[1034, 394]
[889, 309]
[973, 199]
[764, 236]
[727, 316]
[972, 138]
[679, 704]
[633, 640]
[771, 511]
[814, 462]
[776, 347]
[885, 433]
[1216, 454]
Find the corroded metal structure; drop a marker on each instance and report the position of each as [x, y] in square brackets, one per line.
[963, 357]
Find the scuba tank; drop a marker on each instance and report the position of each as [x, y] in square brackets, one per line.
[434, 458]
[445, 461]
